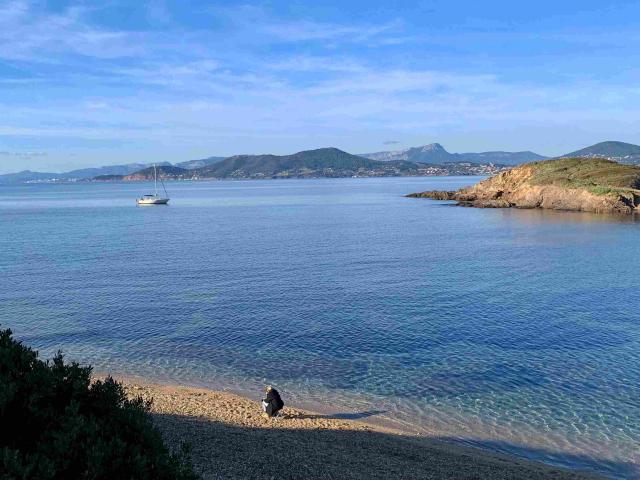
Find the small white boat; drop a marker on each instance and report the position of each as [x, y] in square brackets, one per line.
[154, 199]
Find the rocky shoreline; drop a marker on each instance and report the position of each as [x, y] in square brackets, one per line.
[587, 185]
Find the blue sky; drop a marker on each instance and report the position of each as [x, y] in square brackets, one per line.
[94, 83]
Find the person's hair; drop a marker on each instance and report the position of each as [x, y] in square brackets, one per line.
[268, 387]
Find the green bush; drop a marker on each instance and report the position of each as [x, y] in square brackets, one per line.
[56, 424]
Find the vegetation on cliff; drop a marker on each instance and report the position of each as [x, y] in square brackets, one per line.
[597, 175]
[56, 424]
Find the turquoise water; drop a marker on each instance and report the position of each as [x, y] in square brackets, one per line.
[517, 331]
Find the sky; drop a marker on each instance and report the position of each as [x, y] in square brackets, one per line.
[112, 82]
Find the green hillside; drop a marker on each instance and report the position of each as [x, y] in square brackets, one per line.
[167, 171]
[325, 161]
[596, 174]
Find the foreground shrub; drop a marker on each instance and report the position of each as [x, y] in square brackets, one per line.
[56, 424]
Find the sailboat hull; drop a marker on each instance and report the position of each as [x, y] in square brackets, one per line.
[153, 201]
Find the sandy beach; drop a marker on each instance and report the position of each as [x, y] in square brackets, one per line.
[230, 439]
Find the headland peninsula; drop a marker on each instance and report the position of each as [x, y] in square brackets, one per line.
[578, 184]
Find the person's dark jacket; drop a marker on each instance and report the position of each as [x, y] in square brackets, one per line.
[273, 399]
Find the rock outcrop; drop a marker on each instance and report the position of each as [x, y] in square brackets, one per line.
[588, 185]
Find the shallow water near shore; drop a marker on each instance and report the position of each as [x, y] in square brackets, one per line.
[513, 330]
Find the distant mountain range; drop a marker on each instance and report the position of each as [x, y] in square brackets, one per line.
[326, 162]
[435, 154]
[323, 162]
[29, 176]
[73, 175]
[430, 159]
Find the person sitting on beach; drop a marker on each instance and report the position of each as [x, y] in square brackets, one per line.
[272, 403]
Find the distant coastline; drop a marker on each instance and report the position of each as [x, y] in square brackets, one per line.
[463, 169]
[427, 160]
[321, 163]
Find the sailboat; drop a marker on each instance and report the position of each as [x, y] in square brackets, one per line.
[154, 199]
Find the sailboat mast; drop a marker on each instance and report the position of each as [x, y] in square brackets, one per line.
[155, 179]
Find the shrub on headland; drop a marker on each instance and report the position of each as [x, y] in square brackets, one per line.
[56, 424]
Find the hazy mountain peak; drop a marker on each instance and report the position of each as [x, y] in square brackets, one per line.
[435, 153]
[199, 163]
[432, 147]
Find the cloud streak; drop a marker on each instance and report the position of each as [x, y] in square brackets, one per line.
[259, 23]
[26, 34]
[22, 154]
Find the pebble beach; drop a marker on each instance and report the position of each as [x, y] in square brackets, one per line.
[230, 439]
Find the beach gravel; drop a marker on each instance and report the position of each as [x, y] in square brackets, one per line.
[230, 439]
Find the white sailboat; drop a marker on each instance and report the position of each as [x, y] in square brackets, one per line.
[154, 199]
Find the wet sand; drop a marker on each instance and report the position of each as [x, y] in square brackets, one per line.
[230, 439]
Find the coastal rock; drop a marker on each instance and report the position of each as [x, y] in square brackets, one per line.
[577, 184]
[436, 195]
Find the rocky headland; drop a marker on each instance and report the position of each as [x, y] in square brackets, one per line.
[579, 184]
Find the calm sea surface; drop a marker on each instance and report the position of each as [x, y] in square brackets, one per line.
[517, 331]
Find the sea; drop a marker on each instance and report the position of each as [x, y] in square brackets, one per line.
[516, 331]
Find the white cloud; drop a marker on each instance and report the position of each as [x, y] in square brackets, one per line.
[297, 31]
[315, 63]
[96, 104]
[28, 34]
[257, 22]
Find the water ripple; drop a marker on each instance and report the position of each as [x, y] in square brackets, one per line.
[515, 330]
